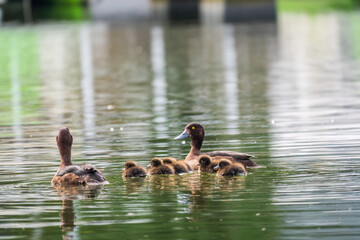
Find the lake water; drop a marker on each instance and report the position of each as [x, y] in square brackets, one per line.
[287, 92]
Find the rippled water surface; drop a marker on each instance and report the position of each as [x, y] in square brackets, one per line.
[286, 92]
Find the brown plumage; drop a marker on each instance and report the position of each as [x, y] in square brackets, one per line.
[207, 164]
[196, 133]
[132, 169]
[69, 174]
[227, 168]
[179, 166]
[157, 167]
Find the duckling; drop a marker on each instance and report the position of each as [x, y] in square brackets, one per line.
[132, 169]
[196, 132]
[207, 164]
[157, 167]
[226, 168]
[179, 166]
[69, 174]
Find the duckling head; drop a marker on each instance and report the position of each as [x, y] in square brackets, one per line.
[155, 162]
[130, 164]
[222, 164]
[204, 160]
[168, 160]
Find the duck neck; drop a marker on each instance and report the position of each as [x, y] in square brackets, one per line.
[196, 146]
[65, 155]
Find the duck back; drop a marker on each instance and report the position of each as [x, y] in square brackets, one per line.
[242, 158]
[78, 175]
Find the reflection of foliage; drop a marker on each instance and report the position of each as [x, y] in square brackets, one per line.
[59, 9]
[355, 36]
[315, 6]
[60, 12]
[19, 66]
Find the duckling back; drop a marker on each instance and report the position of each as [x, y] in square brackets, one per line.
[179, 166]
[157, 167]
[163, 169]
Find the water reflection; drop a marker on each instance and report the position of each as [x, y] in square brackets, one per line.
[87, 85]
[231, 80]
[312, 105]
[159, 81]
[16, 96]
[68, 195]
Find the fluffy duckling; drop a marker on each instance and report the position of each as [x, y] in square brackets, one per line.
[69, 174]
[226, 168]
[179, 166]
[196, 133]
[157, 167]
[207, 164]
[132, 169]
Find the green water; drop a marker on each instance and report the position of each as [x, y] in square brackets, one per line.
[288, 95]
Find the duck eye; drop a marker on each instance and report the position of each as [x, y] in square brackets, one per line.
[192, 127]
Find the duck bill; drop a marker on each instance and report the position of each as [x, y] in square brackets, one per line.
[216, 167]
[197, 164]
[183, 135]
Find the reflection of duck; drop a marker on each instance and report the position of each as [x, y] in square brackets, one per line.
[135, 184]
[68, 193]
[207, 164]
[227, 168]
[132, 169]
[67, 216]
[157, 167]
[179, 166]
[196, 133]
[69, 174]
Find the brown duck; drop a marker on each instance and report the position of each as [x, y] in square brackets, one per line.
[196, 133]
[69, 174]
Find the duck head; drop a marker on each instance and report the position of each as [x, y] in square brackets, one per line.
[192, 130]
[64, 142]
[64, 138]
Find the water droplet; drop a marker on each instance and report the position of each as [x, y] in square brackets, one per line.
[257, 214]
[111, 129]
[183, 142]
[272, 121]
[263, 229]
[110, 107]
[121, 129]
